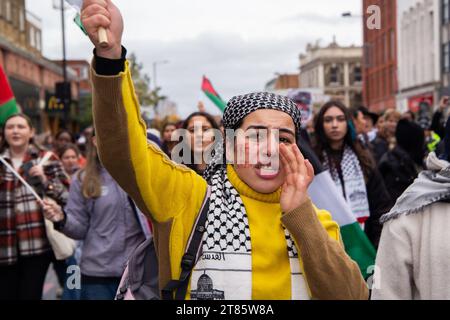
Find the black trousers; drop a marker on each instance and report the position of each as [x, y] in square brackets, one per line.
[24, 280]
[60, 268]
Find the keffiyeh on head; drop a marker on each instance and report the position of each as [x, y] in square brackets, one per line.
[239, 107]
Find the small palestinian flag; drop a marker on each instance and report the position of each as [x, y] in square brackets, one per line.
[325, 195]
[8, 105]
[77, 5]
[211, 93]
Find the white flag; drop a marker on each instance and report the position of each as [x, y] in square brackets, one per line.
[76, 4]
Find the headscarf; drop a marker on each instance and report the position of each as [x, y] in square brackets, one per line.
[238, 108]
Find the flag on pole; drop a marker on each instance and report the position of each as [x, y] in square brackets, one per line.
[8, 105]
[212, 94]
[77, 5]
[325, 195]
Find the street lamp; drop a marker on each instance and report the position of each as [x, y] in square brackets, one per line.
[155, 84]
[65, 85]
[155, 65]
[348, 14]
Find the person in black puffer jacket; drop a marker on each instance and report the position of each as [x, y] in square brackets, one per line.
[401, 166]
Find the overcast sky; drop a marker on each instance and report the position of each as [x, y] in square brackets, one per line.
[238, 44]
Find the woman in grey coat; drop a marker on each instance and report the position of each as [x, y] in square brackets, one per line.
[102, 215]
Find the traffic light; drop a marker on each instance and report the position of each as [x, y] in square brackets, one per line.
[63, 92]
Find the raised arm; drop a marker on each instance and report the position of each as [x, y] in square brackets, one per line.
[160, 188]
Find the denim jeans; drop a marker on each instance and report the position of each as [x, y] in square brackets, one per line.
[70, 294]
[95, 288]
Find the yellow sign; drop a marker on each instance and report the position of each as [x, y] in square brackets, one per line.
[54, 105]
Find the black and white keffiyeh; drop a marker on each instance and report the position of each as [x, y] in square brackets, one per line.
[354, 186]
[224, 268]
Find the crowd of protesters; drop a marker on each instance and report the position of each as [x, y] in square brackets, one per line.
[372, 159]
[390, 170]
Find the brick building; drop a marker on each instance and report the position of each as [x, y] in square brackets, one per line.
[33, 77]
[380, 58]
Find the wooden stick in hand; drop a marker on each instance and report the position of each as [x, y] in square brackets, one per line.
[103, 37]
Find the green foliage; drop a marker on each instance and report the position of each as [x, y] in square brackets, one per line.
[146, 96]
[84, 115]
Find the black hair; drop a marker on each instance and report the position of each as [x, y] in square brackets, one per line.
[322, 141]
[185, 125]
[61, 132]
[208, 117]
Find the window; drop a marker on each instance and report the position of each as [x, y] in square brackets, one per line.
[8, 10]
[84, 73]
[386, 82]
[357, 74]
[14, 15]
[22, 19]
[38, 40]
[392, 33]
[446, 58]
[393, 80]
[386, 48]
[334, 74]
[368, 55]
[445, 11]
[32, 38]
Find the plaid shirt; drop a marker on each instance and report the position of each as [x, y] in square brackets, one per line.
[22, 227]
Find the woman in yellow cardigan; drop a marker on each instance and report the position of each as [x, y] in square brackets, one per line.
[264, 239]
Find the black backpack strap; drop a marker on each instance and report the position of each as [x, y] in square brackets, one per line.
[190, 257]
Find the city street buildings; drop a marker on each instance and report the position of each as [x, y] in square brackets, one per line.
[419, 58]
[336, 70]
[380, 57]
[33, 78]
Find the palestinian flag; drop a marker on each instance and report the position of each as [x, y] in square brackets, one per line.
[211, 93]
[325, 195]
[8, 104]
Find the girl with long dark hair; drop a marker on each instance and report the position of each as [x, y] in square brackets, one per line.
[352, 167]
[166, 133]
[199, 137]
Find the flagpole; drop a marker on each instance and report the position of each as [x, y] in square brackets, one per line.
[64, 61]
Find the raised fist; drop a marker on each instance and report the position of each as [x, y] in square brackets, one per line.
[97, 14]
